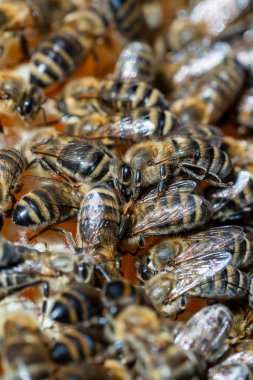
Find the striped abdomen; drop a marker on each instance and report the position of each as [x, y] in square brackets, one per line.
[230, 283]
[128, 17]
[73, 346]
[58, 57]
[98, 223]
[12, 164]
[48, 205]
[136, 61]
[77, 303]
[120, 95]
[175, 213]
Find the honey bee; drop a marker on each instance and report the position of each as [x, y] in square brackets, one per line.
[206, 331]
[16, 94]
[128, 17]
[49, 202]
[67, 49]
[75, 344]
[132, 126]
[206, 19]
[98, 225]
[170, 251]
[179, 68]
[237, 366]
[176, 211]
[170, 290]
[76, 303]
[210, 97]
[119, 95]
[12, 164]
[136, 62]
[81, 159]
[149, 352]
[235, 201]
[23, 348]
[153, 162]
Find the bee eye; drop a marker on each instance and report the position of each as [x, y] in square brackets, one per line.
[125, 172]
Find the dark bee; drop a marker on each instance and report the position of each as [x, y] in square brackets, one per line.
[81, 159]
[236, 366]
[98, 226]
[77, 303]
[152, 162]
[50, 203]
[12, 165]
[18, 95]
[21, 335]
[176, 211]
[133, 126]
[119, 95]
[209, 98]
[235, 201]
[171, 250]
[76, 344]
[136, 62]
[67, 49]
[128, 17]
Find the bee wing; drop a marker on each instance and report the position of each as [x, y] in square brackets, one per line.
[186, 186]
[169, 213]
[213, 138]
[223, 196]
[195, 272]
[217, 238]
[49, 146]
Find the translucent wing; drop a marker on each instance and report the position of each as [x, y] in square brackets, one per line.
[169, 212]
[221, 197]
[186, 186]
[217, 238]
[192, 274]
[208, 133]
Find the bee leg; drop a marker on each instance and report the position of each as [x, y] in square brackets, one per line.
[162, 180]
[194, 171]
[68, 236]
[46, 292]
[124, 222]
[137, 184]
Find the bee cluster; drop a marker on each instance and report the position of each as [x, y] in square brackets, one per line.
[137, 125]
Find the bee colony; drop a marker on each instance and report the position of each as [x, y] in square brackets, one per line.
[126, 186]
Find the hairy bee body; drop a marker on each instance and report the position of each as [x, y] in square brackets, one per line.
[67, 49]
[136, 62]
[245, 109]
[128, 17]
[208, 99]
[152, 162]
[98, 225]
[79, 302]
[50, 204]
[81, 159]
[133, 126]
[12, 165]
[230, 283]
[24, 350]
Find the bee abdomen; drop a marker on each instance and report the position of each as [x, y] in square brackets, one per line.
[57, 58]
